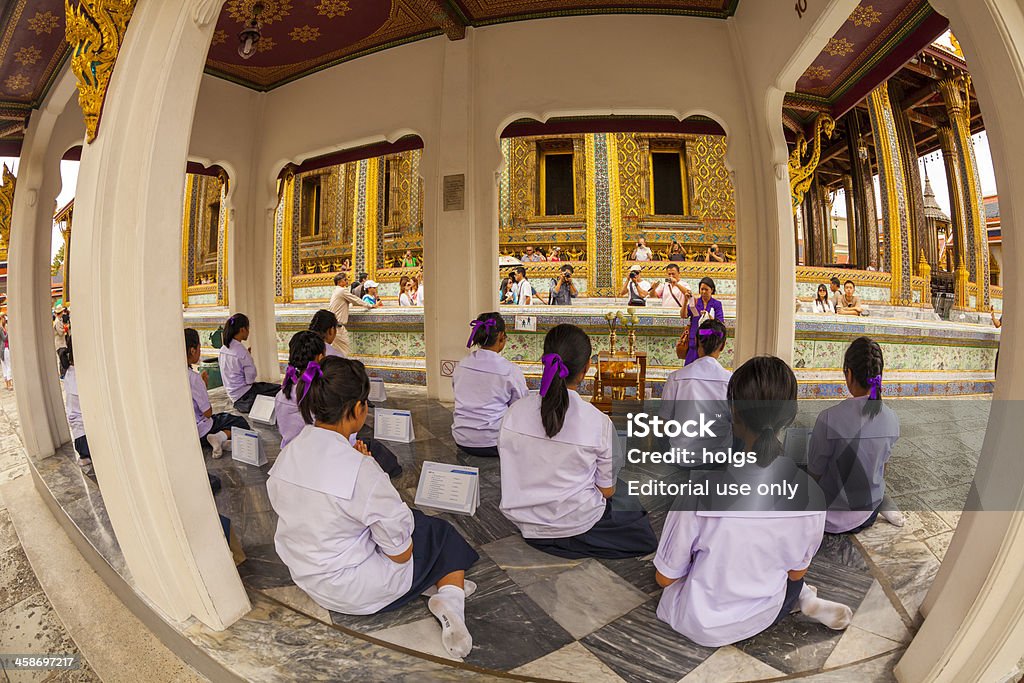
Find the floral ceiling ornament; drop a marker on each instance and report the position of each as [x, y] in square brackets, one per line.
[305, 34]
[6, 207]
[332, 8]
[27, 56]
[839, 47]
[43, 22]
[818, 73]
[17, 84]
[220, 37]
[273, 10]
[866, 16]
[95, 31]
[265, 44]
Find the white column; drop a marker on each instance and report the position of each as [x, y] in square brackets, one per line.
[52, 129]
[974, 624]
[128, 322]
[460, 247]
[251, 205]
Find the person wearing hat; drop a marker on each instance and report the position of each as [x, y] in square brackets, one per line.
[562, 290]
[370, 293]
[637, 289]
[342, 299]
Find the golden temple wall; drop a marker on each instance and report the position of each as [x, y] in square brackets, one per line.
[204, 230]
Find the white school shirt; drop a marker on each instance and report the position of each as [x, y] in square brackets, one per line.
[331, 351]
[71, 404]
[699, 387]
[732, 570]
[338, 516]
[824, 306]
[286, 414]
[485, 385]
[843, 427]
[200, 402]
[549, 485]
[237, 370]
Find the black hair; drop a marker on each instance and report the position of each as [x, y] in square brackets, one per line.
[339, 277]
[850, 282]
[864, 361]
[67, 359]
[304, 347]
[834, 280]
[715, 341]
[488, 336]
[817, 293]
[335, 394]
[322, 322]
[520, 269]
[675, 265]
[567, 267]
[762, 395]
[573, 345]
[709, 282]
[363, 276]
[191, 339]
[234, 324]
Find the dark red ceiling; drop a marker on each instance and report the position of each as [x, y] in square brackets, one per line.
[301, 37]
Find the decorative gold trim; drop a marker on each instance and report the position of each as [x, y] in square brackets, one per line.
[287, 226]
[591, 208]
[372, 219]
[801, 174]
[6, 211]
[95, 31]
[186, 209]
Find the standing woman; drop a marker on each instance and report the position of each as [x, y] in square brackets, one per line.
[557, 471]
[696, 310]
[237, 370]
[5, 360]
[485, 385]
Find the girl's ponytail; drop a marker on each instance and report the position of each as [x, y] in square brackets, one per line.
[866, 364]
[567, 351]
[486, 329]
[304, 347]
[232, 327]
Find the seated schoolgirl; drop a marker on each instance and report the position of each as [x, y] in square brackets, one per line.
[700, 387]
[304, 348]
[730, 575]
[237, 371]
[215, 427]
[485, 385]
[325, 324]
[557, 474]
[851, 443]
[74, 408]
[343, 531]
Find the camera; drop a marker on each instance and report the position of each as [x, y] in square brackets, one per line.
[633, 274]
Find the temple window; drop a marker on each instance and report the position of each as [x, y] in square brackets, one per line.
[212, 227]
[669, 195]
[310, 207]
[557, 193]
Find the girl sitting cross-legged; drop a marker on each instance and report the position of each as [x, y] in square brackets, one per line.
[557, 475]
[343, 531]
[730, 573]
[237, 369]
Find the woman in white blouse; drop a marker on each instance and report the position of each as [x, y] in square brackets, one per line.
[822, 302]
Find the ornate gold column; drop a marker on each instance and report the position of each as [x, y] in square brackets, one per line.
[955, 93]
[957, 209]
[895, 205]
[6, 211]
[371, 225]
[287, 239]
[912, 175]
[186, 237]
[852, 242]
[222, 241]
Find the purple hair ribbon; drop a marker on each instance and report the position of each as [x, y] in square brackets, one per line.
[231, 320]
[312, 372]
[875, 385]
[476, 325]
[291, 374]
[708, 332]
[552, 365]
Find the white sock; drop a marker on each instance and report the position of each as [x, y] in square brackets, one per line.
[469, 587]
[216, 440]
[227, 442]
[836, 616]
[449, 606]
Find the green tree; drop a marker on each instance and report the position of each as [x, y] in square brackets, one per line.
[58, 261]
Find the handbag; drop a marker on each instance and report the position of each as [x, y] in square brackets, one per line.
[683, 345]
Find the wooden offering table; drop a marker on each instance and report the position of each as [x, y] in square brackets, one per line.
[619, 377]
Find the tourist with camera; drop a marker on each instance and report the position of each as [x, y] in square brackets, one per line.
[562, 290]
[636, 288]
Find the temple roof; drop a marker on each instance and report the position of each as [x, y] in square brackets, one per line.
[931, 207]
[301, 37]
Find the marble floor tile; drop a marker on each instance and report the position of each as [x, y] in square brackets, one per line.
[255, 499]
[640, 647]
[910, 568]
[638, 571]
[939, 544]
[524, 564]
[585, 598]
[729, 665]
[487, 525]
[857, 644]
[296, 598]
[256, 528]
[877, 615]
[839, 582]
[877, 670]
[423, 636]
[8, 536]
[951, 499]
[371, 623]
[17, 580]
[572, 663]
[794, 645]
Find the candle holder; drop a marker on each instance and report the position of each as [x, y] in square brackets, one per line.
[630, 323]
[613, 321]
